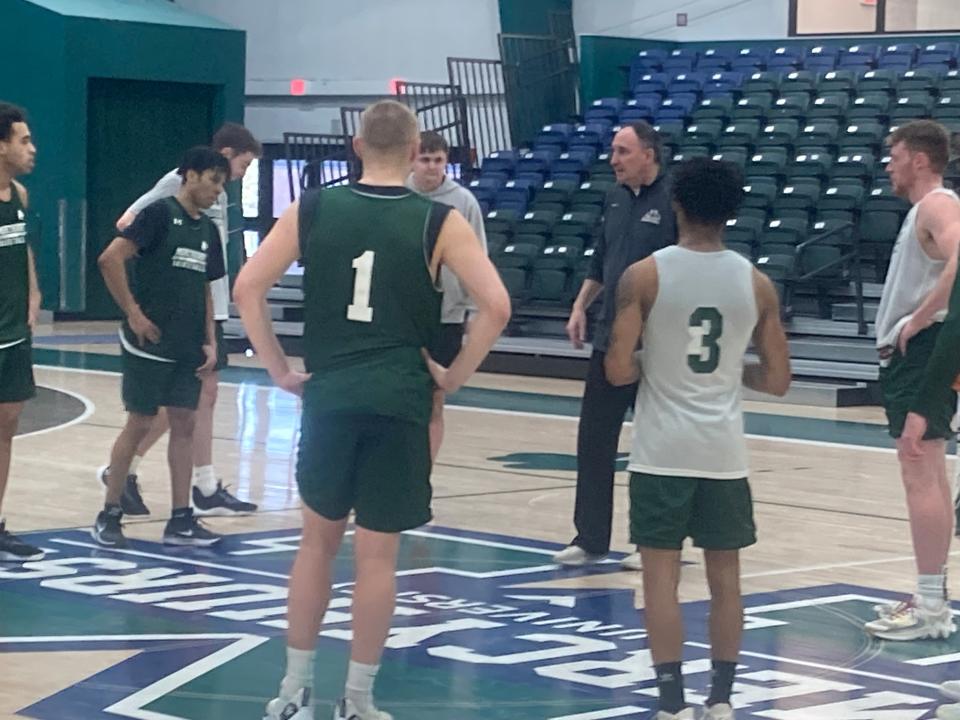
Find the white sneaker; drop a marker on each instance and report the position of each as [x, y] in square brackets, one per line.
[576, 556]
[951, 689]
[888, 609]
[632, 561]
[685, 714]
[346, 710]
[295, 708]
[948, 712]
[914, 623]
[720, 711]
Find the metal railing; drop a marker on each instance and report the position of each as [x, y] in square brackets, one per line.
[315, 160]
[485, 95]
[849, 257]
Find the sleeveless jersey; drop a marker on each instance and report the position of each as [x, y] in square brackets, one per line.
[370, 303]
[14, 274]
[688, 420]
[910, 279]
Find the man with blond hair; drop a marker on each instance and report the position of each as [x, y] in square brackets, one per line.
[372, 254]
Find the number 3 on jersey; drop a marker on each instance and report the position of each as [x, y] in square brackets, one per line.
[360, 310]
[706, 327]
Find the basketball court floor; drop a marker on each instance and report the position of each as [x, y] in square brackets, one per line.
[486, 628]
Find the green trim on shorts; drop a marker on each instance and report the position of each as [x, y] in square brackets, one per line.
[665, 510]
[900, 382]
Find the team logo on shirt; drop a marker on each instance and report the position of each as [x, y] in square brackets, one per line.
[188, 259]
[204, 246]
[652, 217]
[21, 215]
[178, 221]
[13, 234]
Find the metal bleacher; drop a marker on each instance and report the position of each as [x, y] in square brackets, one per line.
[806, 124]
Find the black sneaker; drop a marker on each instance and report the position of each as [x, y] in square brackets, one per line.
[13, 549]
[131, 501]
[222, 502]
[107, 531]
[187, 530]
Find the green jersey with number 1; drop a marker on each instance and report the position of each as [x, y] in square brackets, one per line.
[370, 302]
[688, 420]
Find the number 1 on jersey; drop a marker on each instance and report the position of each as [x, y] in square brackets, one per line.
[360, 310]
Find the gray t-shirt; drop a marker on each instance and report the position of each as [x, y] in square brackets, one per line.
[456, 302]
[168, 186]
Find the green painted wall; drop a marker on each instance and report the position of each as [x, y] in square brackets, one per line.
[602, 57]
[60, 54]
[530, 17]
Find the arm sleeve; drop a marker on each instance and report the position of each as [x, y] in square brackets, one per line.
[167, 186]
[943, 366]
[216, 266]
[149, 228]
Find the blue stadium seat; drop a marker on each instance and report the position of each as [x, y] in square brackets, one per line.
[724, 81]
[686, 82]
[644, 108]
[785, 59]
[859, 54]
[676, 107]
[501, 161]
[536, 161]
[941, 53]
[650, 83]
[604, 109]
[575, 162]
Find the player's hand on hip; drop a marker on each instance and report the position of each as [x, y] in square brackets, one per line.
[577, 327]
[141, 326]
[908, 332]
[910, 443]
[209, 360]
[440, 374]
[293, 382]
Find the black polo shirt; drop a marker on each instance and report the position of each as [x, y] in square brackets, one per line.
[634, 227]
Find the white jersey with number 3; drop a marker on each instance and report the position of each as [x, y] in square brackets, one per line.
[688, 420]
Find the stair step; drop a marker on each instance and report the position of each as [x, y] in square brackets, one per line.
[848, 311]
[819, 394]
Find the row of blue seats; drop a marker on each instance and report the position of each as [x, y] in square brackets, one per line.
[663, 84]
[821, 57]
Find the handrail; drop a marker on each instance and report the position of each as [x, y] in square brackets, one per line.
[853, 255]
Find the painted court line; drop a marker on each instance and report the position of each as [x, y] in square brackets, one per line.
[171, 559]
[132, 706]
[831, 668]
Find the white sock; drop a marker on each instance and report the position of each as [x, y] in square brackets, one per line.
[205, 479]
[360, 679]
[299, 671]
[134, 464]
[932, 590]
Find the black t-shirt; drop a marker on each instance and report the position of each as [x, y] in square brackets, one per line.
[178, 255]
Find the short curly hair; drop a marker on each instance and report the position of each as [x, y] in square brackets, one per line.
[708, 191]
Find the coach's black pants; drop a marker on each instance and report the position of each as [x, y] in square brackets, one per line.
[601, 419]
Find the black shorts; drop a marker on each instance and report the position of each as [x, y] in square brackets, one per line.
[151, 384]
[16, 373]
[448, 345]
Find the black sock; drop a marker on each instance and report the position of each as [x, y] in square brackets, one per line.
[670, 686]
[721, 684]
[183, 513]
[112, 509]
